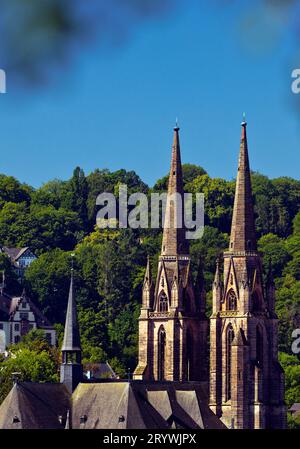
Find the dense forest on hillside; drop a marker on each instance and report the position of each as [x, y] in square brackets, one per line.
[58, 220]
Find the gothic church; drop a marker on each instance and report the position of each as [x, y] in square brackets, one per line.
[172, 386]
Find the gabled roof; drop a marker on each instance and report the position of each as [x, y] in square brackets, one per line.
[35, 406]
[9, 305]
[109, 405]
[15, 253]
[142, 405]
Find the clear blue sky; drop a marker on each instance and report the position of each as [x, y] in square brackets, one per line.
[115, 108]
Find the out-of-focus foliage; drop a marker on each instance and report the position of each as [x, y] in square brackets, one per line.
[33, 359]
[46, 34]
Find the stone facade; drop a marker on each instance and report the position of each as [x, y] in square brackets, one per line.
[172, 324]
[246, 379]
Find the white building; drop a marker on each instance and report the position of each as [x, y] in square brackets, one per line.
[18, 315]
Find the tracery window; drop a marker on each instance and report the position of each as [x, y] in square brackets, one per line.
[231, 300]
[163, 303]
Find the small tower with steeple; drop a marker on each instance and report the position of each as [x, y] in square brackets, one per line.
[246, 379]
[172, 324]
[71, 366]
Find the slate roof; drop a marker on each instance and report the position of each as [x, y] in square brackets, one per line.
[109, 405]
[15, 253]
[142, 405]
[35, 406]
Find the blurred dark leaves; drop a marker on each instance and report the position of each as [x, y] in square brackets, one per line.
[38, 36]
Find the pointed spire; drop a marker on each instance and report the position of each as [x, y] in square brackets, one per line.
[71, 336]
[148, 273]
[243, 229]
[174, 241]
[218, 276]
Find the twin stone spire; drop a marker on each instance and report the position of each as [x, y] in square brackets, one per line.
[188, 301]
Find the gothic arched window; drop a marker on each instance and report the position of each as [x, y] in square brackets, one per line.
[161, 353]
[229, 340]
[163, 303]
[231, 300]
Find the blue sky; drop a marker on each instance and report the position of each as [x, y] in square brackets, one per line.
[115, 107]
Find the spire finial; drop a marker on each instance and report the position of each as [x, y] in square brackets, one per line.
[176, 125]
[244, 123]
[72, 263]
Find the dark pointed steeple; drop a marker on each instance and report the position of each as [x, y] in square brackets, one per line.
[71, 367]
[174, 241]
[243, 229]
[71, 336]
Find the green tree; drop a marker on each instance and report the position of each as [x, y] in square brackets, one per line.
[13, 191]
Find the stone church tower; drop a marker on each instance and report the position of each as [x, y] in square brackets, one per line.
[246, 379]
[172, 323]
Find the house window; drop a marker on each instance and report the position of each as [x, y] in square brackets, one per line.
[163, 303]
[30, 327]
[24, 316]
[1, 326]
[229, 340]
[17, 327]
[24, 305]
[17, 338]
[161, 354]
